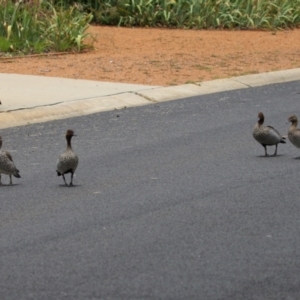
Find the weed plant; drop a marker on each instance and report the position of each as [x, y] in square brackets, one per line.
[202, 14]
[37, 26]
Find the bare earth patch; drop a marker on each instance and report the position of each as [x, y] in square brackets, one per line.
[168, 56]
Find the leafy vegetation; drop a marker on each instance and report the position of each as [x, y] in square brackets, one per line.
[38, 26]
[202, 14]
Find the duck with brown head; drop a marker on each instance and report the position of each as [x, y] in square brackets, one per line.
[267, 135]
[294, 132]
[68, 161]
[7, 165]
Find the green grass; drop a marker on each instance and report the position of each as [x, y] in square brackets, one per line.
[202, 14]
[40, 27]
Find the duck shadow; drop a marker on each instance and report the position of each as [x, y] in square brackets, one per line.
[10, 185]
[69, 186]
[271, 156]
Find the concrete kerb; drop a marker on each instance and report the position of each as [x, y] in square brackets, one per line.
[69, 109]
[139, 96]
[220, 85]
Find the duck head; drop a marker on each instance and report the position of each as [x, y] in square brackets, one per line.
[293, 119]
[70, 133]
[260, 118]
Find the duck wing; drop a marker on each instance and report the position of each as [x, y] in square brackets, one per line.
[8, 155]
[273, 136]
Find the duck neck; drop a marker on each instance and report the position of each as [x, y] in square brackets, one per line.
[69, 146]
[294, 124]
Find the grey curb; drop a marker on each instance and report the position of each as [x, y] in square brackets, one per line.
[220, 85]
[33, 99]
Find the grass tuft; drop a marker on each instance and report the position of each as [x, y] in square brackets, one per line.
[37, 26]
[201, 14]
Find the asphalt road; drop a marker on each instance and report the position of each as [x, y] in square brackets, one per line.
[171, 201]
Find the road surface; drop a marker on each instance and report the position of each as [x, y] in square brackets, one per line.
[171, 201]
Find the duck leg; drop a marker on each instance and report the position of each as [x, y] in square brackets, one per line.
[10, 180]
[275, 153]
[63, 176]
[0, 180]
[71, 183]
[266, 154]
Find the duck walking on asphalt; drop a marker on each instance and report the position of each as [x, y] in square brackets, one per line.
[294, 132]
[68, 161]
[7, 165]
[267, 135]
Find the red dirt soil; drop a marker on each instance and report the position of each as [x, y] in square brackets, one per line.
[167, 56]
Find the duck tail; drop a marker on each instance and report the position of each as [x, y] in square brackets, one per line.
[17, 175]
[283, 141]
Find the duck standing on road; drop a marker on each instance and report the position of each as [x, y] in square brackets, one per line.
[267, 135]
[7, 165]
[294, 132]
[68, 161]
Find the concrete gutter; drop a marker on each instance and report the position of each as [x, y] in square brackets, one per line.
[33, 99]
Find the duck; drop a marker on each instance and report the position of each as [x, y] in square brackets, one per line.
[7, 165]
[294, 132]
[67, 161]
[267, 135]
